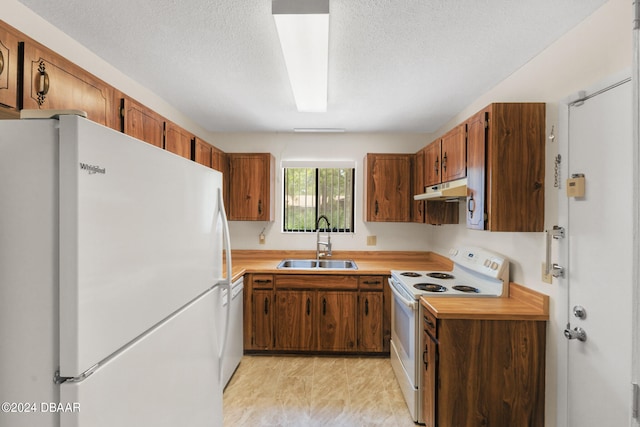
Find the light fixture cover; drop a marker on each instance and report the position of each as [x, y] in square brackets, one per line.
[303, 29]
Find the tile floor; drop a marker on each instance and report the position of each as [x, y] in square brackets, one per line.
[314, 391]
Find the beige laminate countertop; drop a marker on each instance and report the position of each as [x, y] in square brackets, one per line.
[368, 262]
[522, 304]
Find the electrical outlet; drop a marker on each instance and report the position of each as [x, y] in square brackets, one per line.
[371, 240]
[546, 278]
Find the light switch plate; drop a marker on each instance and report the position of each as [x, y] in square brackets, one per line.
[371, 240]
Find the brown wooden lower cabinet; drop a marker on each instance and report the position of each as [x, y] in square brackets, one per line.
[370, 326]
[483, 372]
[315, 313]
[295, 312]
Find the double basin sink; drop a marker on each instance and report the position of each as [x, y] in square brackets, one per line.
[323, 264]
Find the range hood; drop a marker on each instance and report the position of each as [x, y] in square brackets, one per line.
[447, 190]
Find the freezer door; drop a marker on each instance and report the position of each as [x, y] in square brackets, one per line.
[169, 378]
[140, 237]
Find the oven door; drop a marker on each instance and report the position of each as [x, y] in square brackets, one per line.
[404, 341]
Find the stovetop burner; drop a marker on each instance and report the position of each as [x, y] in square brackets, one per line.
[437, 275]
[466, 288]
[410, 274]
[430, 287]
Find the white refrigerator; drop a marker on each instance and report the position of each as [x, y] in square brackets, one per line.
[110, 280]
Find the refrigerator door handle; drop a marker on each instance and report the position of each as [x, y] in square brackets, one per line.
[227, 282]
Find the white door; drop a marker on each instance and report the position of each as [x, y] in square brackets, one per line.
[597, 254]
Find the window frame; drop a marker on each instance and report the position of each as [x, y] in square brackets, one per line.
[317, 167]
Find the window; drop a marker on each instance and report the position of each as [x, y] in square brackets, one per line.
[310, 192]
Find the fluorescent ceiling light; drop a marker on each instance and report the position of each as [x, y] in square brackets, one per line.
[318, 130]
[303, 29]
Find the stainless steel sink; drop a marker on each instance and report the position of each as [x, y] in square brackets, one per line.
[343, 264]
[298, 263]
[323, 264]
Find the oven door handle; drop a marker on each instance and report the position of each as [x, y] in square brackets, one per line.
[412, 304]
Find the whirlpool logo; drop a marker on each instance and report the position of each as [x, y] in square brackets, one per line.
[92, 169]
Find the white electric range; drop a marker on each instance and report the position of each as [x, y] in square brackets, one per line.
[476, 272]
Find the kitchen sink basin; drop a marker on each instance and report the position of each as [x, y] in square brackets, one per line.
[323, 264]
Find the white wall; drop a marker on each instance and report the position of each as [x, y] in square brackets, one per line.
[291, 146]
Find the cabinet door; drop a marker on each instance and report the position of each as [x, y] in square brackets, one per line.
[428, 380]
[476, 149]
[295, 311]
[515, 167]
[454, 154]
[438, 212]
[8, 68]
[337, 315]
[388, 188]
[432, 166]
[202, 152]
[370, 321]
[140, 122]
[250, 187]
[52, 82]
[217, 159]
[178, 140]
[262, 327]
[417, 185]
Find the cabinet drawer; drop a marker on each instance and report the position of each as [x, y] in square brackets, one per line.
[305, 281]
[262, 281]
[370, 283]
[429, 323]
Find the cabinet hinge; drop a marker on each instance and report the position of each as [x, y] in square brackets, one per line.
[636, 401]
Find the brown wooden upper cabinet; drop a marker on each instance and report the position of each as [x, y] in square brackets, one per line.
[505, 167]
[219, 160]
[201, 152]
[177, 140]
[251, 186]
[52, 82]
[388, 187]
[454, 154]
[9, 44]
[429, 212]
[140, 122]
[417, 185]
[446, 157]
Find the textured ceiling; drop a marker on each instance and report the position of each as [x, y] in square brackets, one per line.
[394, 65]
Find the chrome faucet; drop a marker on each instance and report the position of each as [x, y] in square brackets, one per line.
[326, 244]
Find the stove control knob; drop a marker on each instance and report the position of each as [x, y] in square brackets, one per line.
[453, 251]
[494, 265]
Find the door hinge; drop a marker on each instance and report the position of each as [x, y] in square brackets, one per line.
[636, 401]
